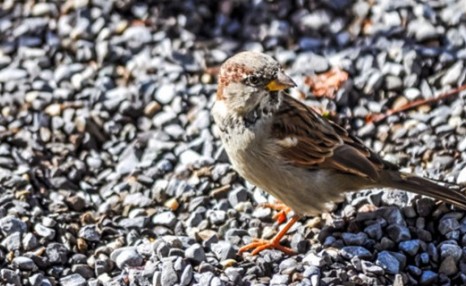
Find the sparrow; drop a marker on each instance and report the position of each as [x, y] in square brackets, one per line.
[287, 149]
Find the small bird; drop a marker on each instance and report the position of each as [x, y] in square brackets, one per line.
[284, 147]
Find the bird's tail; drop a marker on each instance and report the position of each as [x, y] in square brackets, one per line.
[450, 193]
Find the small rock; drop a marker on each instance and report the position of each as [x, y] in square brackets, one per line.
[410, 247]
[453, 74]
[165, 93]
[279, 279]
[388, 262]
[11, 224]
[398, 232]
[223, 250]
[425, 207]
[237, 196]
[354, 238]
[448, 266]
[428, 278]
[89, 232]
[374, 231]
[196, 253]
[371, 268]
[450, 250]
[43, 231]
[349, 252]
[24, 263]
[167, 219]
[169, 276]
[73, 280]
[126, 256]
[57, 253]
[448, 224]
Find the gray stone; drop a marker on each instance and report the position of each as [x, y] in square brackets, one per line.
[410, 247]
[428, 278]
[388, 262]
[24, 263]
[84, 270]
[126, 256]
[398, 232]
[448, 224]
[453, 74]
[186, 276]
[90, 233]
[349, 252]
[374, 231]
[73, 280]
[223, 250]
[448, 266]
[371, 268]
[425, 207]
[167, 219]
[453, 250]
[165, 93]
[12, 242]
[43, 231]
[196, 253]
[11, 224]
[138, 200]
[57, 253]
[237, 196]
[279, 279]
[136, 223]
[10, 277]
[169, 275]
[354, 238]
[29, 241]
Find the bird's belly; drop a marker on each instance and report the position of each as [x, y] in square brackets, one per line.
[307, 192]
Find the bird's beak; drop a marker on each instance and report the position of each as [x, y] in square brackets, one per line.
[281, 82]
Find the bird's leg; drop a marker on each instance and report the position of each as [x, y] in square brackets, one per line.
[260, 244]
[282, 209]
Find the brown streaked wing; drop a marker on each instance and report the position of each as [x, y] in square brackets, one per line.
[321, 143]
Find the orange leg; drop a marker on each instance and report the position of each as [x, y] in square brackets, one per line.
[260, 244]
[283, 209]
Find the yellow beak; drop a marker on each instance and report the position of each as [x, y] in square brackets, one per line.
[281, 82]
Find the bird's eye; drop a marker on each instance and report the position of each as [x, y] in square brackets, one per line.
[253, 80]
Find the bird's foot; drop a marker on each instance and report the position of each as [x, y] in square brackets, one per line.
[261, 244]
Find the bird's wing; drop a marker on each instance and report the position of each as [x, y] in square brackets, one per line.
[307, 140]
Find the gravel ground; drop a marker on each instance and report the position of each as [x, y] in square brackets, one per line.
[111, 171]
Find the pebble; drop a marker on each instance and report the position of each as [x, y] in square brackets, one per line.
[388, 262]
[73, 280]
[223, 250]
[167, 218]
[11, 224]
[428, 278]
[24, 263]
[447, 225]
[90, 233]
[349, 252]
[196, 253]
[398, 232]
[57, 253]
[450, 250]
[127, 256]
[448, 266]
[410, 247]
